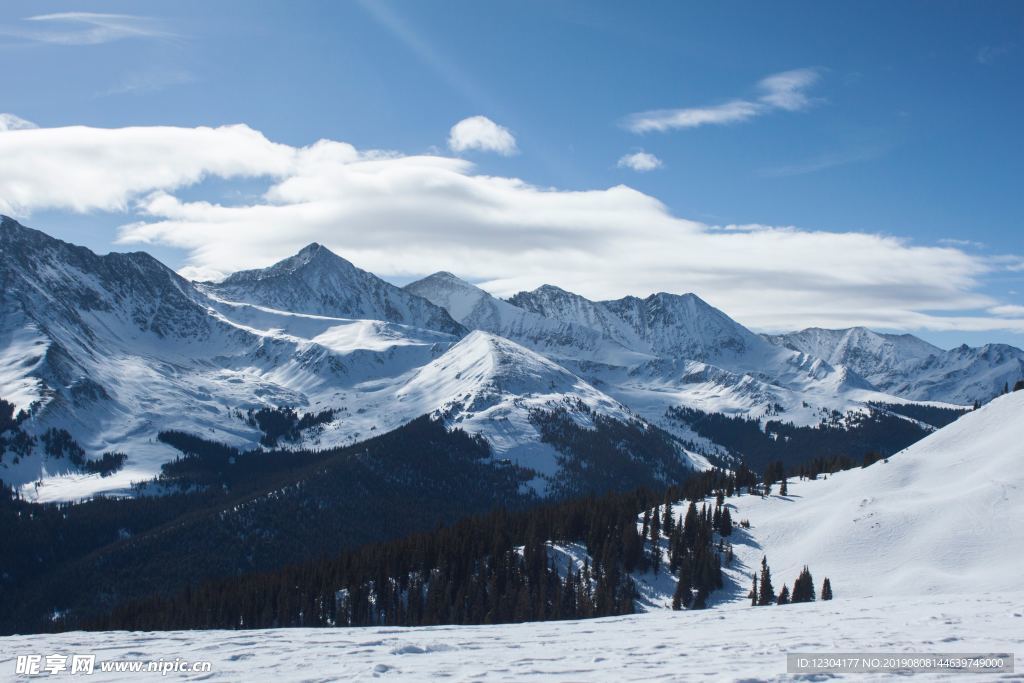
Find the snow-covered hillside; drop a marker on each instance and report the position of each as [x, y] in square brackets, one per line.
[910, 367]
[486, 385]
[938, 517]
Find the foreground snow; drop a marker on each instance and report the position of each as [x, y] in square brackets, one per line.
[729, 643]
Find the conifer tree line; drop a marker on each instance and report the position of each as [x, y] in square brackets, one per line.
[493, 568]
[762, 592]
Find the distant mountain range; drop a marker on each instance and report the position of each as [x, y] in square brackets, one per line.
[912, 368]
[114, 349]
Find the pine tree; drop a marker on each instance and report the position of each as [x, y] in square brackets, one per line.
[803, 587]
[725, 524]
[690, 525]
[783, 595]
[667, 521]
[826, 590]
[681, 598]
[784, 489]
[767, 593]
[754, 592]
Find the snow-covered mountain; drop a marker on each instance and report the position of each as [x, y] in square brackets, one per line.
[116, 348]
[664, 325]
[655, 353]
[910, 367]
[554, 336]
[698, 356]
[872, 355]
[319, 282]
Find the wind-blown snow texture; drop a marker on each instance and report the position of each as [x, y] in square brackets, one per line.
[920, 552]
[116, 348]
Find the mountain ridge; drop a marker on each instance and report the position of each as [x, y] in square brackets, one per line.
[114, 348]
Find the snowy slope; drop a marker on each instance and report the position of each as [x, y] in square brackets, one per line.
[938, 517]
[487, 385]
[910, 367]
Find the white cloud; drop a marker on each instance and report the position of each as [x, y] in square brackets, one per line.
[640, 162]
[480, 133]
[12, 122]
[405, 216]
[661, 120]
[784, 91]
[83, 169]
[1008, 310]
[87, 28]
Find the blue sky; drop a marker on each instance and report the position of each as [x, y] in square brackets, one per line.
[898, 123]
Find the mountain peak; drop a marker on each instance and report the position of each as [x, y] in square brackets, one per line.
[313, 253]
[317, 281]
[450, 292]
[442, 277]
[553, 289]
[312, 249]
